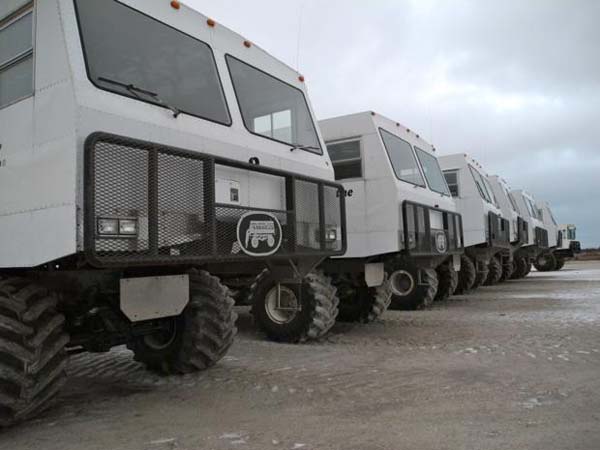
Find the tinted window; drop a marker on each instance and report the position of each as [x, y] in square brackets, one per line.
[124, 46]
[346, 160]
[272, 108]
[452, 181]
[432, 171]
[16, 60]
[402, 158]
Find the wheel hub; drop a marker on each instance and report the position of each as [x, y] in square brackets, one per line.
[162, 339]
[281, 304]
[402, 283]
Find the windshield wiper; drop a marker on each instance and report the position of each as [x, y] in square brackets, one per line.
[303, 147]
[135, 90]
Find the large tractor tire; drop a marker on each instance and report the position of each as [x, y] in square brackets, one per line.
[307, 311]
[466, 276]
[448, 280]
[32, 349]
[528, 267]
[546, 262]
[494, 271]
[199, 337]
[520, 266]
[560, 263]
[420, 295]
[362, 303]
[507, 270]
[481, 276]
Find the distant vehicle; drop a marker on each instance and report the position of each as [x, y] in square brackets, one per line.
[487, 233]
[404, 232]
[519, 228]
[561, 242]
[538, 237]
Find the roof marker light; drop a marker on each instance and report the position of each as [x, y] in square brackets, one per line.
[301, 78]
[211, 23]
[372, 113]
[175, 4]
[247, 44]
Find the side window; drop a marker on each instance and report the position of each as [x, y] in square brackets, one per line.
[452, 181]
[346, 160]
[16, 58]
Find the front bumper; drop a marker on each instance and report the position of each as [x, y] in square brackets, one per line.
[171, 195]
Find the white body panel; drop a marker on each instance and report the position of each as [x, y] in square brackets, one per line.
[42, 137]
[473, 208]
[374, 201]
[549, 222]
[523, 199]
[501, 190]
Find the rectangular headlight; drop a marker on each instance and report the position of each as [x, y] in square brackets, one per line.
[108, 227]
[331, 235]
[128, 227]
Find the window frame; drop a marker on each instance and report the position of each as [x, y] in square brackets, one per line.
[143, 100]
[417, 150]
[455, 172]
[237, 99]
[360, 156]
[6, 22]
[424, 185]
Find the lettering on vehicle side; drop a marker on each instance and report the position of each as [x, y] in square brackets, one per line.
[347, 193]
[259, 233]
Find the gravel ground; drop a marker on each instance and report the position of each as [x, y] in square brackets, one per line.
[514, 366]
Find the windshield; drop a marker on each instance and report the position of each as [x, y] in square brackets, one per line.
[513, 203]
[571, 233]
[137, 56]
[272, 108]
[532, 209]
[402, 158]
[432, 171]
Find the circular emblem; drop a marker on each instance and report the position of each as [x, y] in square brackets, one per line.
[259, 233]
[441, 244]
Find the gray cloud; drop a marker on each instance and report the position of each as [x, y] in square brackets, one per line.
[516, 84]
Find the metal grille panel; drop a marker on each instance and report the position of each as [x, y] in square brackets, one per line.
[171, 194]
[420, 238]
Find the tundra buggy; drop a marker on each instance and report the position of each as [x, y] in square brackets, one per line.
[487, 238]
[149, 155]
[404, 234]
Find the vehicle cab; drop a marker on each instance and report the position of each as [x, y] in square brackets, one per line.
[390, 175]
[510, 210]
[538, 235]
[111, 94]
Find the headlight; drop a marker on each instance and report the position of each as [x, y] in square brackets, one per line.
[331, 235]
[108, 227]
[128, 227]
[117, 227]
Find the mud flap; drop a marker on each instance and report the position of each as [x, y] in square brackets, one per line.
[154, 297]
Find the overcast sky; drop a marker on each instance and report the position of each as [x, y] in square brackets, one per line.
[514, 83]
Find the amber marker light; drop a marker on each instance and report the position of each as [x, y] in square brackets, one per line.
[247, 44]
[301, 78]
[211, 23]
[175, 4]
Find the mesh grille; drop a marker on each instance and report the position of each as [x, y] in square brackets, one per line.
[421, 239]
[171, 194]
